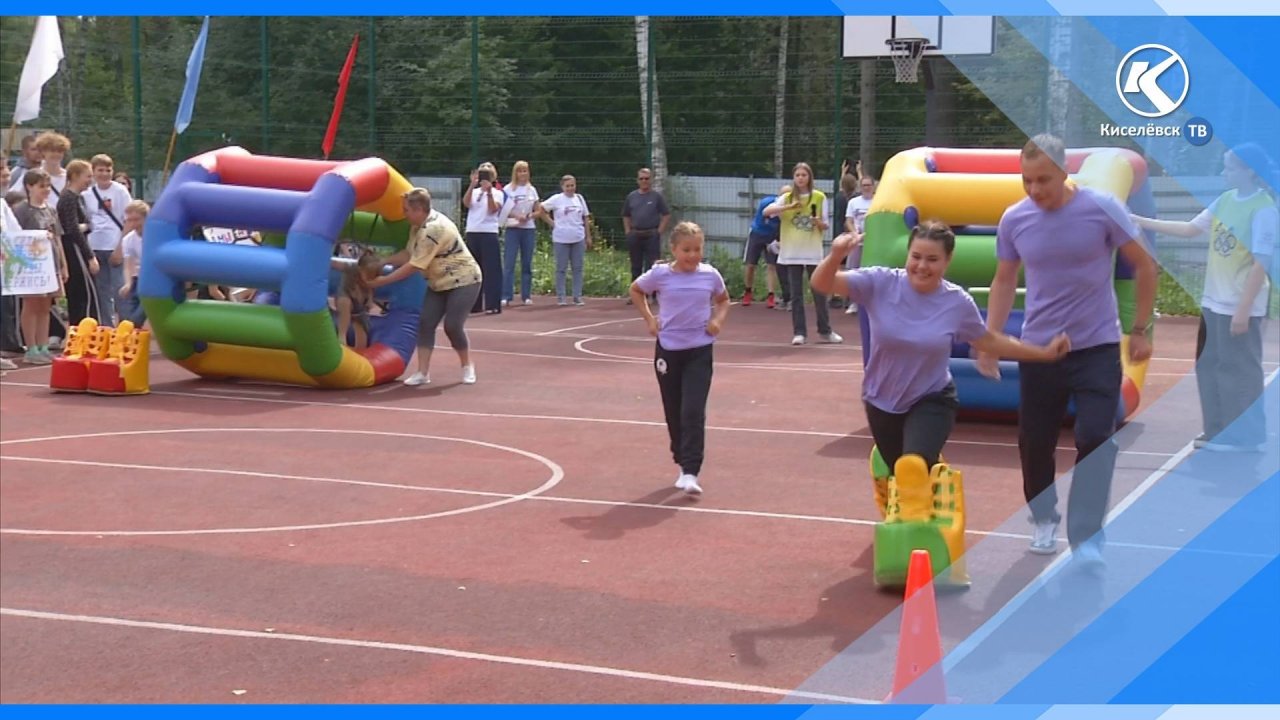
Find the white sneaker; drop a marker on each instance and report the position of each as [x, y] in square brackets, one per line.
[7, 364]
[1089, 555]
[691, 486]
[852, 309]
[1044, 538]
[681, 482]
[528, 301]
[417, 379]
[832, 337]
[797, 340]
[468, 374]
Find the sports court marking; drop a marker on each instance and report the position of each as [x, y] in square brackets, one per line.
[212, 394]
[584, 327]
[511, 496]
[580, 346]
[244, 391]
[437, 651]
[557, 474]
[648, 339]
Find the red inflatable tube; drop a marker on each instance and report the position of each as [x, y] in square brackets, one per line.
[278, 173]
[969, 160]
[369, 177]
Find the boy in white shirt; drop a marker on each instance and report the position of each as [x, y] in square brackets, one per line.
[135, 217]
[105, 201]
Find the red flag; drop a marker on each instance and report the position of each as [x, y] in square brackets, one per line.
[343, 80]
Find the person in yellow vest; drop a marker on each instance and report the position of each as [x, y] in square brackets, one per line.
[1242, 224]
[805, 219]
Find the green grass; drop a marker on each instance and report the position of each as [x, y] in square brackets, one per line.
[1171, 299]
[607, 270]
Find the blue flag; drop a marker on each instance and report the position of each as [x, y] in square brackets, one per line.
[194, 64]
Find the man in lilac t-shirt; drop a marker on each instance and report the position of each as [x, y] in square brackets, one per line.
[1067, 237]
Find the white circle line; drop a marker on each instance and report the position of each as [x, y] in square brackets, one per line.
[580, 346]
[557, 474]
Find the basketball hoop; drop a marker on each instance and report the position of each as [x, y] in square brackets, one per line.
[906, 54]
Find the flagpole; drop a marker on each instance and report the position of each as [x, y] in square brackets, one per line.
[164, 178]
[8, 142]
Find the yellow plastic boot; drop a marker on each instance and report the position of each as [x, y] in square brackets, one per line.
[948, 510]
[882, 496]
[915, 491]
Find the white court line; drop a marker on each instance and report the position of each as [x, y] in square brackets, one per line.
[584, 327]
[211, 395]
[850, 368]
[545, 498]
[849, 347]
[246, 391]
[557, 474]
[437, 651]
[748, 343]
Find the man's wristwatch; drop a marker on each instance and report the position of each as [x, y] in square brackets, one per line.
[1140, 330]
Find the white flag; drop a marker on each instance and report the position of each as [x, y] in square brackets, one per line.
[42, 64]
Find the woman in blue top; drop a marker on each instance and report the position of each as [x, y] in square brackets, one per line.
[915, 315]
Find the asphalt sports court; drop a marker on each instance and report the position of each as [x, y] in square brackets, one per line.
[518, 540]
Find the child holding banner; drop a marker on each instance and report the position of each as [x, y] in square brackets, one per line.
[34, 213]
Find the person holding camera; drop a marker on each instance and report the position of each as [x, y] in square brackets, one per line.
[484, 203]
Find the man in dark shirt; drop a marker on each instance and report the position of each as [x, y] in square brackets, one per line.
[644, 217]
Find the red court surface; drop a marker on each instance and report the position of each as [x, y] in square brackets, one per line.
[518, 540]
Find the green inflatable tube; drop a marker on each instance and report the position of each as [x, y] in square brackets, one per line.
[362, 227]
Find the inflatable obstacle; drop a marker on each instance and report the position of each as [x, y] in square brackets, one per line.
[303, 207]
[970, 190]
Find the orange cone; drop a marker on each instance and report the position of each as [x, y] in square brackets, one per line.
[918, 678]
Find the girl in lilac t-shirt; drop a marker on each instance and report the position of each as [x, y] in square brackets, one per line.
[915, 315]
[694, 306]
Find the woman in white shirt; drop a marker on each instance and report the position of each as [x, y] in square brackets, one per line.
[484, 201]
[570, 221]
[521, 235]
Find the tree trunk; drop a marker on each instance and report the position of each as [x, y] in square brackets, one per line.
[780, 99]
[867, 114]
[659, 144]
[1063, 113]
[940, 103]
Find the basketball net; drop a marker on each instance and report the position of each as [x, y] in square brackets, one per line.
[906, 54]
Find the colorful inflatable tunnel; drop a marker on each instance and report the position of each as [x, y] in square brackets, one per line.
[969, 189]
[313, 204]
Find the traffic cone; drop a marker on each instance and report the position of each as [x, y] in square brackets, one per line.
[918, 677]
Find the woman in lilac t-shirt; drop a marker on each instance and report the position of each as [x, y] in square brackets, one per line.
[915, 315]
[694, 305]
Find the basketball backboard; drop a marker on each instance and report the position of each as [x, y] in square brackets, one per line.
[865, 36]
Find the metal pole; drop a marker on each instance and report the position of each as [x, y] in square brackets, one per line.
[475, 91]
[651, 71]
[839, 152]
[139, 172]
[266, 86]
[373, 84]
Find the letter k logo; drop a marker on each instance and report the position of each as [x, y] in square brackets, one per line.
[1143, 79]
